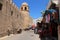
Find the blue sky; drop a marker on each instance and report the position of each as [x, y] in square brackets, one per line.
[35, 6]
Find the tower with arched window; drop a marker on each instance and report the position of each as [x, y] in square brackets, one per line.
[24, 10]
[24, 7]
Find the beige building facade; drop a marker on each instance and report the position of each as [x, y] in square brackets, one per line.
[11, 18]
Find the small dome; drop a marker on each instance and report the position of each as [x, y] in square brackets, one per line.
[24, 3]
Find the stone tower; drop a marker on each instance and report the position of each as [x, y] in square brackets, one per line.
[24, 10]
[24, 7]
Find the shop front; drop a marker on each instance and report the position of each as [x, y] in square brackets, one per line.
[54, 4]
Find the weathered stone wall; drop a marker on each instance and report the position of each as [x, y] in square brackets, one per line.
[11, 18]
[3, 18]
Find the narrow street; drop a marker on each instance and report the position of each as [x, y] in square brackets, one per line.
[25, 35]
[17, 16]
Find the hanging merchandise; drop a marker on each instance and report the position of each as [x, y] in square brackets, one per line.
[52, 11]
[47, 18]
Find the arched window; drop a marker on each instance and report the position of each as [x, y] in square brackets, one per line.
[0, 6]
[25, 8]
[21, 8]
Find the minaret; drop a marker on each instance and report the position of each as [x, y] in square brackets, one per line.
[24, 7]
[24, 10]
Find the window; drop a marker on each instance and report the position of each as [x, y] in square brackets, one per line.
[17, 16]
[25, 8]
[11, 13]
[0, 6]
[21, 8]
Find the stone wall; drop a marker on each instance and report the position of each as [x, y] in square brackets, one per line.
[9, 17]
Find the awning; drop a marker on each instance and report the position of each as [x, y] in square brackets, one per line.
[52, 10]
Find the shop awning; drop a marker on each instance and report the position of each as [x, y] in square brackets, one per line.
[52, 10]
